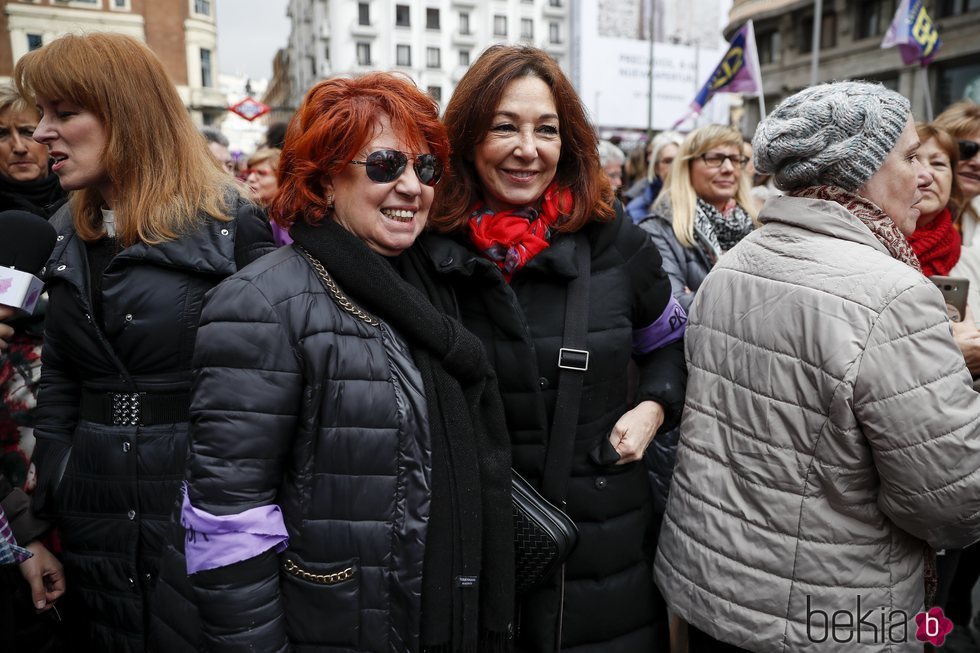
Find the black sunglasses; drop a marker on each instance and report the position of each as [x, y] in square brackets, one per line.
[385, 166]
[968, 149]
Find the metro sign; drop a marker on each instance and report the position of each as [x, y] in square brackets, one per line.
[249, 109]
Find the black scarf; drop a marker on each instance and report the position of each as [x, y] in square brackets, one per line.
[468, 570]
[41, 197]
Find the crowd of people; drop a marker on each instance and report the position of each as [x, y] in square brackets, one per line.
[279, 407]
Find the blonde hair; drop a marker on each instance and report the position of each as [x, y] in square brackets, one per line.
[263, 154]
[680, 191]
[660, 141]
[10, 100]
[154, 157]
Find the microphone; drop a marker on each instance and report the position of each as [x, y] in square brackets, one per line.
[26, 242]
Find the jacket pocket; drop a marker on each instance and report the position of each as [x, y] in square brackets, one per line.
[321, 601]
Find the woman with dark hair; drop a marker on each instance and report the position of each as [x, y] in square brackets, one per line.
[528, 214]
[152, 223]
[348, 485]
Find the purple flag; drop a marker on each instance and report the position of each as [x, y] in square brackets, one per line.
[914, 33]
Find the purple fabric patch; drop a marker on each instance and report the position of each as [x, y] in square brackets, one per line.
[214, 541]
[668, 328]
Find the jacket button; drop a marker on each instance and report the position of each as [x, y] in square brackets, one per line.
[601, 483]
[132, 583]
[224, 232]
[129, 317]
[61, 237]
[61, 267]
[88, 317]
[131, 515]
[148, 578]
[126, 446]
[543, 383]
[446, 262]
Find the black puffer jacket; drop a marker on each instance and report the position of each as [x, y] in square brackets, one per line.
[112, 488]
[611, 604]
[305, 405]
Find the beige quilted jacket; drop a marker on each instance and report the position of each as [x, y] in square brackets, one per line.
[830, 431]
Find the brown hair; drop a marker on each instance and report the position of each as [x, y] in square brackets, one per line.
[337, 119]
[468, 117]
[154, 156]
[931, 131]
[960, 120]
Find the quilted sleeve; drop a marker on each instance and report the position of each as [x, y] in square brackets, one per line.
[914, 401]
[245, 401]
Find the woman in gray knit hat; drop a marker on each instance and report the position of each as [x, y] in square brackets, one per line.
[831, 438]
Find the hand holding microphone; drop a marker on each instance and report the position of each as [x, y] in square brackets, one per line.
[26, 242]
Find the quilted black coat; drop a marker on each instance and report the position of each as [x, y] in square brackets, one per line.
[611, 604]
[112, 488]
[308, 406]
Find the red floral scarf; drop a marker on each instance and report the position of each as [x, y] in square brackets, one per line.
[877, 221]
[937, 245]
[512, 238]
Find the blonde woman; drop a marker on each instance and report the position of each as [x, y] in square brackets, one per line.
[705, 209]
[153, 223]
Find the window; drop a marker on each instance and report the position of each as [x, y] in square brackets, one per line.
[435, 92]
[554, 3]
[464, 22]
[363, 13]
[770, 47]
[464, 57]
[403, 55]
[120, 4]
[957, 7]
[433, 57]
[500, 25]
[554, 32]
[527, 28]
[34, 41]
[202, 7]
[828, 33]
[402, 17]
[206, 80]
[363, 54]
[431, 18]
[326, 53]
[874, 17]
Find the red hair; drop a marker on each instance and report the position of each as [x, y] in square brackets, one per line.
[468, 116]
[337, 119]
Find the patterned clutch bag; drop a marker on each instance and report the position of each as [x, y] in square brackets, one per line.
[544, 536]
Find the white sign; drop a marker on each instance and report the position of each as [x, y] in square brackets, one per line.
[613, 77]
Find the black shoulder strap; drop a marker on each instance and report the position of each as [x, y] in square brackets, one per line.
[573, 361]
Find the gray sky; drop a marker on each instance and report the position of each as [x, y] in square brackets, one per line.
[249, 33]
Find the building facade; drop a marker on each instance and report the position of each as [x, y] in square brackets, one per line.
[432, 41]
[181, 32]
[850, 48]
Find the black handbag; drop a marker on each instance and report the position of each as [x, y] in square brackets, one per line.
[544, 536]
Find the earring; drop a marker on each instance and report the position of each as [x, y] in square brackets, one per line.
[329, 202]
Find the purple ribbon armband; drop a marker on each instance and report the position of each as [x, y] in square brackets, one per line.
[668, 328]
[214, 541]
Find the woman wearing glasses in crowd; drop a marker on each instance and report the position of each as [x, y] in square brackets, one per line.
[153, 223]
[704, 210]
[528, 192]
[348, 484]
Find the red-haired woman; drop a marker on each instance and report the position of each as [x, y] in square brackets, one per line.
[348, 483]
[528, 194]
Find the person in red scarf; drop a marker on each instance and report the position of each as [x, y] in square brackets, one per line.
[527, 193]
[935, 241]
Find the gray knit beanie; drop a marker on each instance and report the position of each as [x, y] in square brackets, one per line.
[833, 134]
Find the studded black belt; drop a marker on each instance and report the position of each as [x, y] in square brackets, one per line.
[134, 408]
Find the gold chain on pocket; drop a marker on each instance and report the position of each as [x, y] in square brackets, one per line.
[342, 300]
[320, 579]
